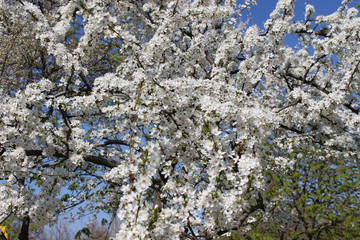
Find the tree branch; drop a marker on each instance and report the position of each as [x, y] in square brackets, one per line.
[88, 158]
[348, 105]
[24, 233]
[291, 129]
[111, 142]
[101, 161]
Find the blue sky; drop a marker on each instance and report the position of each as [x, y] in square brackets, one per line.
[260, 13]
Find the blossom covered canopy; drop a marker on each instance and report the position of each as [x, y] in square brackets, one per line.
[168, 112]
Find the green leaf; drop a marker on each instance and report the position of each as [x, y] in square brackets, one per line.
[117, 57]
[73, 186]
[104, 221]
[84, 231]
[78, 235]
[65, 197]
[206, 127]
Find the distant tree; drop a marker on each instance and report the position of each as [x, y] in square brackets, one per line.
[317, 199]
[61, 230]
[20, 51]
[94, 230]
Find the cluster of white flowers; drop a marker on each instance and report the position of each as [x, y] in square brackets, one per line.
[176, 123]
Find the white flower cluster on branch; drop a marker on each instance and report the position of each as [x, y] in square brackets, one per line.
[168, 112]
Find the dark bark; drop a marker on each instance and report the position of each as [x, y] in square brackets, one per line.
[88, 158]
[2, 237]
[24, 232]
[101, 161]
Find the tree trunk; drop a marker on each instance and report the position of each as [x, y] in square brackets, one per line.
[24, 233]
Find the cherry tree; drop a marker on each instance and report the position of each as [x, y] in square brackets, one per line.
[167, 113]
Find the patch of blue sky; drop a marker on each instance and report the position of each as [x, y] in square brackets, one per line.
[258, 14]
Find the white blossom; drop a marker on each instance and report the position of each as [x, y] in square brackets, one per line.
[170, 111]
